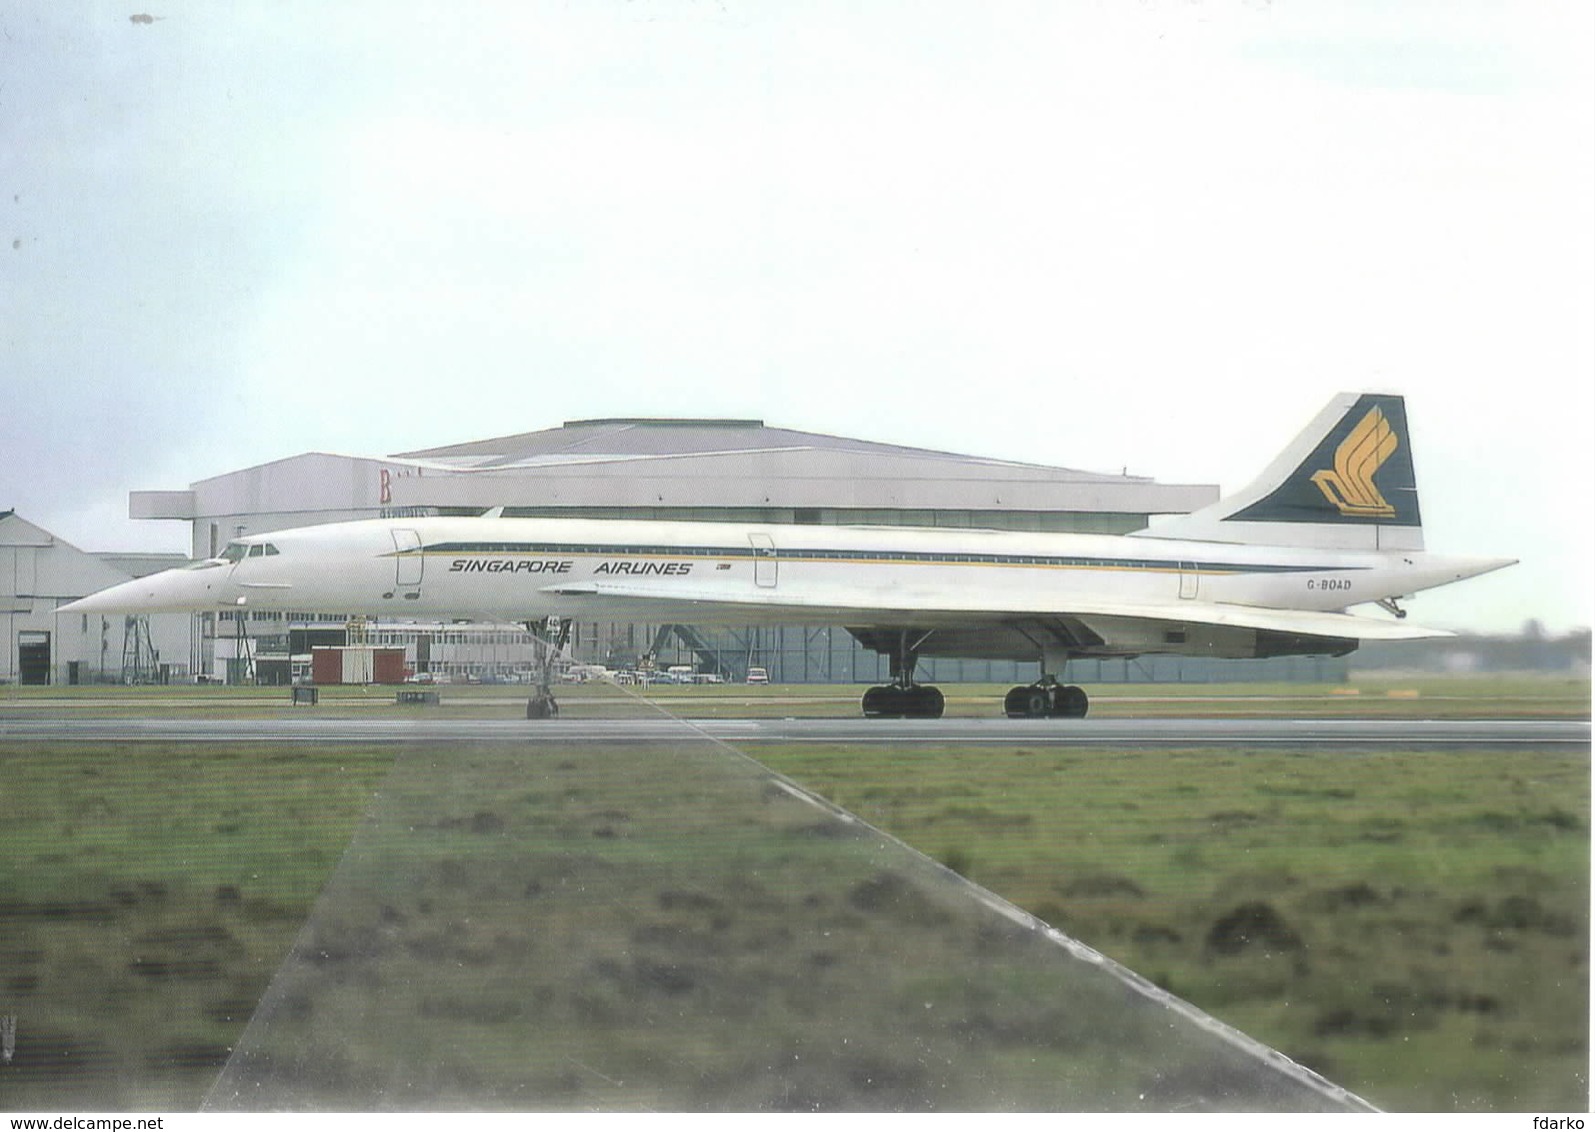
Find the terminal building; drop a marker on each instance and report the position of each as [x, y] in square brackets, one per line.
[696, 470]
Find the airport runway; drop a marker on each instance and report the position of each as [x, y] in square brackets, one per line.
[907, 732]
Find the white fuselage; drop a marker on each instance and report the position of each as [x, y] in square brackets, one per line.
[523, 569]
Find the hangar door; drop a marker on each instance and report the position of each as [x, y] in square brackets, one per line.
[33, 658]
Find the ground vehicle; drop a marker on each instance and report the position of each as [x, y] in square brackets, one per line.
[758, 676]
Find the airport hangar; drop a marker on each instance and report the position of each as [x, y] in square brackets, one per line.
[702, 470]
[40, 571]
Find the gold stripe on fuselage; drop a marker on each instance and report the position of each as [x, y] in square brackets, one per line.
[807, 557]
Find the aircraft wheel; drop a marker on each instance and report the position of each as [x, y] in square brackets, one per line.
[542, 707]
[924, 702]
[1073, 703]
[1016, 704]
[1037, 702]
[883, 701]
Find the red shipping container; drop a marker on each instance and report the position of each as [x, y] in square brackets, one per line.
[326, 665]
[390, 666]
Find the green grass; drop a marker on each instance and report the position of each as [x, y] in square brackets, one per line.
[512, 926]
[147, 896]
[1412, 924]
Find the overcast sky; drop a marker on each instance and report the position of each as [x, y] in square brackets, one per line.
[1100, 235]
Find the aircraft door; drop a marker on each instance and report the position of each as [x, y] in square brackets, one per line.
[765, 562]
[1190, 580]
[408, 563]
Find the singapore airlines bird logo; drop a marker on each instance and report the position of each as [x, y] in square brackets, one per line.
[1349, 486]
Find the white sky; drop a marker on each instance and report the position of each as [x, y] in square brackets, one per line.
[1154, 235]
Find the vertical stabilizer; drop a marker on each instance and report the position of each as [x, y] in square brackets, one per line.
[1345, 483]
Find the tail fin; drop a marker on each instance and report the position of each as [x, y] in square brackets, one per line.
[1345, 483]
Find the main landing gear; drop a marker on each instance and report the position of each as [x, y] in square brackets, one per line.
[898, 701]
[1046, 699]
[902, 698]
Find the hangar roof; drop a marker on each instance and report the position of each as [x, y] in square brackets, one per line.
[37, 566]
[667, 468]
[622, 438]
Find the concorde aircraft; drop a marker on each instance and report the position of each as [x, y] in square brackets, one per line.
[1269, 571]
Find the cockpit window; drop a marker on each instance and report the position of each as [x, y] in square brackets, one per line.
[238, 551]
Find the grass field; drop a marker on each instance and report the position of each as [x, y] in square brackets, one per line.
[1414, 924]
[643, 926]
[148, 895]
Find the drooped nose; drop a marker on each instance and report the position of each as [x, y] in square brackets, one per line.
[183, 589]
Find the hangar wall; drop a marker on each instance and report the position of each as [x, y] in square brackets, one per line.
[725, 471]
[40, 572]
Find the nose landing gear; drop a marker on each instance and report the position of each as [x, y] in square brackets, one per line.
[551, 636]
[1046, 699]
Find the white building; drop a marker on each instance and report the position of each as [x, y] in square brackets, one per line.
[670, 469]
[40, 572]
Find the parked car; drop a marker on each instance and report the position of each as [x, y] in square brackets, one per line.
[758, 676]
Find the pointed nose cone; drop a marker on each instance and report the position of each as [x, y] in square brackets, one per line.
[185, 589]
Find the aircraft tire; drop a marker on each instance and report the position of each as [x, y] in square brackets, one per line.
[883, 701]
[924, 702]
[542, 707]
[1036, 701]
[888, 701]
[1073, 703]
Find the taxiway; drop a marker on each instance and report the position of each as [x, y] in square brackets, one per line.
[907, 732]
